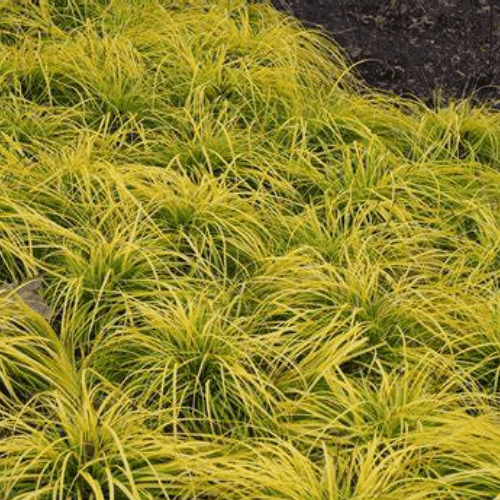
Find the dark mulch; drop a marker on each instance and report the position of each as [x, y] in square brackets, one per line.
[416, 46]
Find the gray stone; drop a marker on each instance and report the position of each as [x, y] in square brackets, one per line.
[27, 291]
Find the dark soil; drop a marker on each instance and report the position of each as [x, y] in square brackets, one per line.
[419, 47]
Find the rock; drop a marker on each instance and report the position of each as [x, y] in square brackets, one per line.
[27, 291]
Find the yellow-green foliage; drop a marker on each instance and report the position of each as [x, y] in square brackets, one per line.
[261, 279]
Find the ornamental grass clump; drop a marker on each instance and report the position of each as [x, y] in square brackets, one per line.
[230, 270]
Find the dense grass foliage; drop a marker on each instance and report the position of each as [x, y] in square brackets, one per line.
[266, 281]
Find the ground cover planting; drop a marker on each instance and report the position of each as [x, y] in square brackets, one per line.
[231, 270]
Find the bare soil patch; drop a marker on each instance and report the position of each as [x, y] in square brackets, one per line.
[419, 47]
